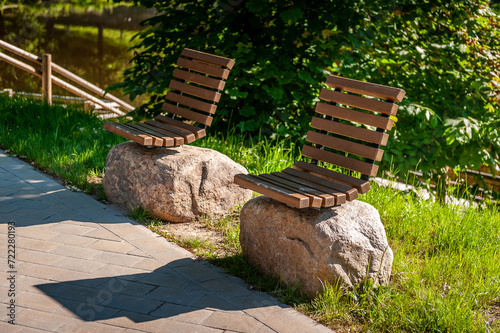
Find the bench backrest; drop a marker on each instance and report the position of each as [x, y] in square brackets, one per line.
[349, 127]
[197, 85]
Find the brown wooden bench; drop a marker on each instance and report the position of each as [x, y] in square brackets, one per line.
[189, 105]
[347, 131]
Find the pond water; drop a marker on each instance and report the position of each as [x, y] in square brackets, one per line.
[92, 43]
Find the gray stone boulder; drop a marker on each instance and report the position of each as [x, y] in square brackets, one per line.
[175, 184]
[309, 247]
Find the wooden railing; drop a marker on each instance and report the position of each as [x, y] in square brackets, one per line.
[485, 182]
[481, 183]
[47, 79]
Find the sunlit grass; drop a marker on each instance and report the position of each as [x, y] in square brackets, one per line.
[257, 155]
[61, 139]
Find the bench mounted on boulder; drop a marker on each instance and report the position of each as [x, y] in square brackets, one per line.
[347, 131]
[190, 104]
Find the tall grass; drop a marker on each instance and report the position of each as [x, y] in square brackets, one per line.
[446, 269]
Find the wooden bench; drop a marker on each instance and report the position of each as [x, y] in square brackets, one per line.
[189, 106]
[347, 131]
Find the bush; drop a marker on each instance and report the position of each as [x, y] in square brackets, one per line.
[282, 50]
[445, 54]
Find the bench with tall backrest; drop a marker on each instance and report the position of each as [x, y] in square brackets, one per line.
[189, 106]
[347, 130]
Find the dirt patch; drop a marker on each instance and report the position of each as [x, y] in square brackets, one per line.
[95, 180]
[493, 316]
[197, 238]
[192, 230]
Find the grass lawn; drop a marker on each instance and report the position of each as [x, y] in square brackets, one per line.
[446, 270]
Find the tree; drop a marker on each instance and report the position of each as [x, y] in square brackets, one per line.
[446, 54]
[281, 49]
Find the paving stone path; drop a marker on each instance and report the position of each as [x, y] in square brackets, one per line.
[81, 266]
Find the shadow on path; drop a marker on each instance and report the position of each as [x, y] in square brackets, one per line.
[163, 293]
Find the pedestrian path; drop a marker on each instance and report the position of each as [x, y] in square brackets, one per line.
[81, 266]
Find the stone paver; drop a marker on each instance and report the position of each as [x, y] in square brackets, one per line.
[42, 320]
[75, 251]
[82, 266]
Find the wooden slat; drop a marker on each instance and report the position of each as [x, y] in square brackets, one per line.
[157, 139]
[170, 139]
[203, 68]
[188, 136]
[197, 131]
[328, 198]
[361, 185]
[191, 102]
[273, 191]
[315, 200]
[188, 114]
[202, 73]
[366, 88]
[158, 142]
[350, 131]
[210, 95]
[199, 79]
[210, 58]
[128, 134]
[359, 102]
[345, 145]
[340, 160]
[355, 116]
[340, 191]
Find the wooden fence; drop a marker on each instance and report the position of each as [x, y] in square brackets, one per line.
[483, 181]
[45, 73]
[481, 184]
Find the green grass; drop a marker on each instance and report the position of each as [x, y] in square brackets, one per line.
[229, 227]
[61, 139]
[446, 270]
[259, 156]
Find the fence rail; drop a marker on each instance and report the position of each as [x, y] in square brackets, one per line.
[483, 179]
[47, 79]
[483, 183]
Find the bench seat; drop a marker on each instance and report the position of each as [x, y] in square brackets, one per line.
[190, 104]
[346, 132]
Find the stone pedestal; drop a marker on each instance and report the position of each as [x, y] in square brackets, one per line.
[312, 246]
[175, 184]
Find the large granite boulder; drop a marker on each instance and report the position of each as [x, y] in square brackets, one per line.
[175, 184]
[309, 247]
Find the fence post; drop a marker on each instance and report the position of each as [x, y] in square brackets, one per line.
[47, 78]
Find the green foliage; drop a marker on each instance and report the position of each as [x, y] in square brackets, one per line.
[228, 226]
[446, 55]
[281, 49]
